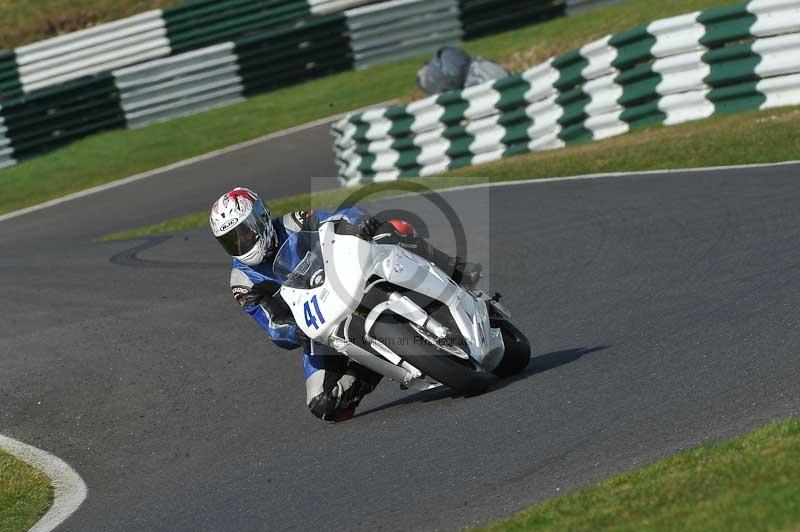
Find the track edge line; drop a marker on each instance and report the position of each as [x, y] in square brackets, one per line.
[179, 164]
[69, 489]
[603, 175]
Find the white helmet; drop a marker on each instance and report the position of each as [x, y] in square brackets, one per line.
[241, 223]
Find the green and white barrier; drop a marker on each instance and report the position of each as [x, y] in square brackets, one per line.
[159, 65]
[394, 30]
[668, 72]
[150, 35]
[197, 24]
[169, 87]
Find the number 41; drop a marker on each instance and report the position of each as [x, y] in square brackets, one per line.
[311, 321]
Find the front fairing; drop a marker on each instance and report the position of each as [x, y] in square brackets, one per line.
[319, 308]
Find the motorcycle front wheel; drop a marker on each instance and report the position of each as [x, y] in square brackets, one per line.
[458, 374]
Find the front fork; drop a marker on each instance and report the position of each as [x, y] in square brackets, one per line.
[391, 365]
[406, 308]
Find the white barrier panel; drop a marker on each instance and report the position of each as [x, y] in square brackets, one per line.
[180, 85]
[326, 7]
[6, 153]
[99, 49]
[402, 28]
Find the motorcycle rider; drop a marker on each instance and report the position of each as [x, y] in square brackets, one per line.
[241, 223]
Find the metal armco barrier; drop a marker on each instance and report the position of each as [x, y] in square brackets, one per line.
[671, 71]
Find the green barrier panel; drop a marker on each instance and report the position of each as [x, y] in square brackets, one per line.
[193, 13]
[54, 117]
[206, 24]
[99, 123]
[279, 58]
[196, 5]
[724, 25]
[484, 17]
[10, 86]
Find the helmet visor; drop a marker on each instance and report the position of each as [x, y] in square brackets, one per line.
[242, 238]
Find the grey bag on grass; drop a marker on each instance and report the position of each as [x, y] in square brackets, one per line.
[445, 72]
[481, 70]
[452, 69]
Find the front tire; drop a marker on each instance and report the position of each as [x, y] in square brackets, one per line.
[451, 371]
[517, 353]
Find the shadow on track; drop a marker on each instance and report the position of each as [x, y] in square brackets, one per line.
[538, 364]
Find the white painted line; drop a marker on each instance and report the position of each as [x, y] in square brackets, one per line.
[69, 490]
[179, 164]
[544, 180]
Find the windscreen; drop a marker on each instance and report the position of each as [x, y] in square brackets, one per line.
[299, 262]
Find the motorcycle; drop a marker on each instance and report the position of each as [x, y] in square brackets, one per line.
[396, 313]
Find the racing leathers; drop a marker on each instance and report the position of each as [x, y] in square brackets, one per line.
[335, 385]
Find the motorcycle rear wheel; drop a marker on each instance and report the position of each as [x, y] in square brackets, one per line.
[455, 373]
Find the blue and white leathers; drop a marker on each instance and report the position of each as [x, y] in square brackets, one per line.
[244, 277]
[333, 387]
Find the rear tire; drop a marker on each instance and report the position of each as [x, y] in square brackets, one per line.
[447, 369]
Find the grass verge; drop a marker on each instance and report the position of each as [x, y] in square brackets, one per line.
[117, 154]
[25, 494]
[752, 137]
[749, 483]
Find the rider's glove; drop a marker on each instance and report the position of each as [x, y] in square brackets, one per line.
[266, 294]
[366, 228]
[261, 292]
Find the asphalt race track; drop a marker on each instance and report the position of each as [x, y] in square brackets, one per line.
[663, 311]
[282, 166]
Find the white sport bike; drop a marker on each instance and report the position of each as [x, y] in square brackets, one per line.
[396, 313]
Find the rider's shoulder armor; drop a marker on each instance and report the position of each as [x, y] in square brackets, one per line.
[240, 278]
[240, 285]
